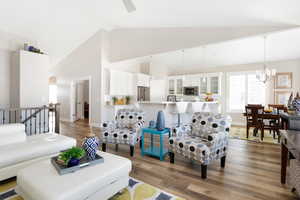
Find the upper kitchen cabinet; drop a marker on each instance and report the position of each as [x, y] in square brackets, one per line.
[191, 81]
[210, 82]
[143, 80]
[121, 83]
[175, 85]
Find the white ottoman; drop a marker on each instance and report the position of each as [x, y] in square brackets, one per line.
[41, 181]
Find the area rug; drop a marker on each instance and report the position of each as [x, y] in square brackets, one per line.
[240, 133]
[136, 190]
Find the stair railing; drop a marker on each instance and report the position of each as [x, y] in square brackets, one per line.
[37, 120]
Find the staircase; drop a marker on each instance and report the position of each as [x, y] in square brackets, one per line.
[37, 120]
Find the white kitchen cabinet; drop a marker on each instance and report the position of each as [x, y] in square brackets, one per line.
[121, 83]
[171, 86]
[214, 84]
[175, 85]
[211, 83]
[191, 81]
[143, 80]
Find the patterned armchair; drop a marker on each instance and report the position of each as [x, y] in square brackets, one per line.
[204, 140]
[125, 129]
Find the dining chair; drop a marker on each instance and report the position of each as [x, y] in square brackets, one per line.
[278, 108]
[272, 127]
[253, 119]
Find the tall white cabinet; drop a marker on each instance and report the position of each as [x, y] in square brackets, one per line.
[29, 85]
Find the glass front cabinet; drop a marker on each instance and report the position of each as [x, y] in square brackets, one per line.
[175, 85]
[207, 83]
[210, 83]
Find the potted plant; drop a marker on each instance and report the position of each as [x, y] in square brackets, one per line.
[127, 100]
[71, 157]
[115, 99]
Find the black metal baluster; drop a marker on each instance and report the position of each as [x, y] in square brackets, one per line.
[45, 120]
[26, 122]
[15, 116]
[21, 114]
[35, 116]
[40, 122]
[48, 120]
[4, 116]
[30, 121]
[9, 120]
[53, 121]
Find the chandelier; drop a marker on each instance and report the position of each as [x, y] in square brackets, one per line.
[266, 74]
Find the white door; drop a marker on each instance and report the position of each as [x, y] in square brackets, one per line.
[79, 100]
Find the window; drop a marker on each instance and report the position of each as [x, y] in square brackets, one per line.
[52, 94]
[243, 89]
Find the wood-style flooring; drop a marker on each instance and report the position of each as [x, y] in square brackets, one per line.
[252, 171]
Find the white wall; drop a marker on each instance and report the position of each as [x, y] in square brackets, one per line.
[5, 61]
[8, 44]
[83, 62]
[63, 97]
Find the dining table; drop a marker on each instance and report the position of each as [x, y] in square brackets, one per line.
[267, 117]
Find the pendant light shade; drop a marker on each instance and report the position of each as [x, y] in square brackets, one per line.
[266, 74]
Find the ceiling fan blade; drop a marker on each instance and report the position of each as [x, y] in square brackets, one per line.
[130, 7]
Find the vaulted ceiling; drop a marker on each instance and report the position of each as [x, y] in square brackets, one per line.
[59, 26]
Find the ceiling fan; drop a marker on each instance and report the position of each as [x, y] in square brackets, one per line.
[129, 5]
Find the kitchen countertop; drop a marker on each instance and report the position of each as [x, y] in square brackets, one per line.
[171, 102]
[156, 102]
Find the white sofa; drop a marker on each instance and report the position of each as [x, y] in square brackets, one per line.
[18, 150]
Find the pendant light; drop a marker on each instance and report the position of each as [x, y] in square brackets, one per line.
[266, 74]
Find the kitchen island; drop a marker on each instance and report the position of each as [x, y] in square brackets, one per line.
[171, 110]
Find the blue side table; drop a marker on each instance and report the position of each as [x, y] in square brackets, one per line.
[153, 150]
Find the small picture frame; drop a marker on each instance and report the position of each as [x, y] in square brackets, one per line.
[284, 80]
[282, 97]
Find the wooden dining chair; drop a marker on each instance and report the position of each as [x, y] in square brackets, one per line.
[279, 108]
[273, 126]
[253, 119]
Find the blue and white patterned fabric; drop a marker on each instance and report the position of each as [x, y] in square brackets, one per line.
[90, 145]
[125, 129]
[204, 140]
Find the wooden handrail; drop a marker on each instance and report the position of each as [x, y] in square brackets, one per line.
[34, 114]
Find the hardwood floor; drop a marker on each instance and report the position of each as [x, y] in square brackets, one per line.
[252, 171]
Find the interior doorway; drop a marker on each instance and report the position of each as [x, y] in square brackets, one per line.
[81, 99]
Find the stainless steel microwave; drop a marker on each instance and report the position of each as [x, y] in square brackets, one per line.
[191, 91]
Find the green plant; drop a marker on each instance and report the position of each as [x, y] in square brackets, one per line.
[115, 99]
[74, 152]
[127, 99]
